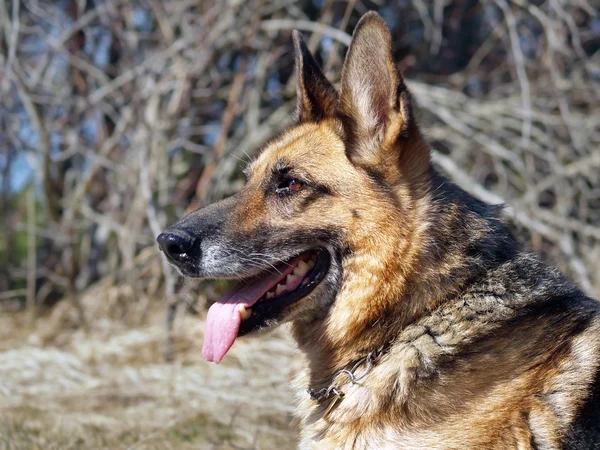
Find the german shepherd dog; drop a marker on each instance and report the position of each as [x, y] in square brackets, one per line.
[422, 322]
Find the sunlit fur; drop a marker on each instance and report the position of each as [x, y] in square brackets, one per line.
[485, 346]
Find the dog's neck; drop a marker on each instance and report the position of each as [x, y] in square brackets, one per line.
[408, 276]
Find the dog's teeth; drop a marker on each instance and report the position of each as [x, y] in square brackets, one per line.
[270, 295]
[311, 264]
[302, 268]
[244, 312]
[314, 257]
[279, 289]
[290, 279]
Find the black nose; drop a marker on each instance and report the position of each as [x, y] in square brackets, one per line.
[177, 245]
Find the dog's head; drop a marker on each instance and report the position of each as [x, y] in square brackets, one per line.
[329, 207]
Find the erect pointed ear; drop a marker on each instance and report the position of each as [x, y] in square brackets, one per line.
[317, 98]
[374, 102]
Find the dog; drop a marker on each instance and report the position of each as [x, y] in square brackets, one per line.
[422, 322]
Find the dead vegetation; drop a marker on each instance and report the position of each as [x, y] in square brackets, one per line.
[117, 117]
[110, 387]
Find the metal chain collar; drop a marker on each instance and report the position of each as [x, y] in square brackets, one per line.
[333, 392]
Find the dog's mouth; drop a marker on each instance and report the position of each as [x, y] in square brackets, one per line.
[259, 301]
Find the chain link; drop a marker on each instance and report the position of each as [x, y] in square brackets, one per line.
[333, 390]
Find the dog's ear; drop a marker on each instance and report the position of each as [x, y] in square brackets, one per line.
[374, 102]
[317, 98]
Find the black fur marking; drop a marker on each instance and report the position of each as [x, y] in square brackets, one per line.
[281, 168]
[585, 428]
[280, 243]
[480, 226]
[533, 443]
[313, 194]
[378, 180]
[403, 102]
[317, 98]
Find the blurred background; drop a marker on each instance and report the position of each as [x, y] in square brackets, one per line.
[117, 117]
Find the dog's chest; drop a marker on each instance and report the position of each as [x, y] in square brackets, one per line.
[359, 420]
[381, 432]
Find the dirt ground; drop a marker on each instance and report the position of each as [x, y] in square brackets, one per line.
[109, 388]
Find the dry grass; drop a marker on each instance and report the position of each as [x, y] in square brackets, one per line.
[110, 388]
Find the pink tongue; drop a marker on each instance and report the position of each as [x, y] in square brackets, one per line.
[223, 319]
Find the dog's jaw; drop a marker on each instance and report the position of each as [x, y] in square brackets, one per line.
[263, 301]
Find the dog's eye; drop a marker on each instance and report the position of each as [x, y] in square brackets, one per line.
[290, 185]
[294, 185]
